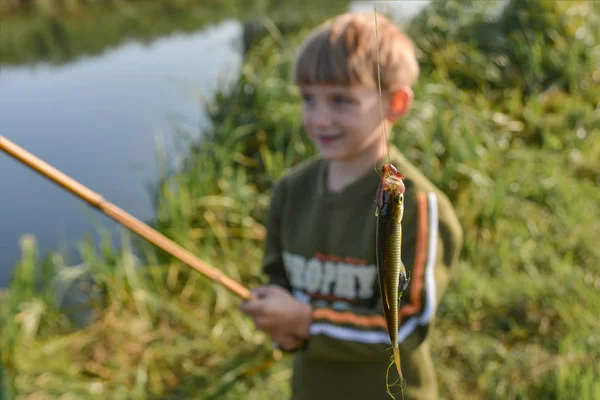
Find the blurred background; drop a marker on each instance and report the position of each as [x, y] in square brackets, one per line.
[182, 113]
[90, 87]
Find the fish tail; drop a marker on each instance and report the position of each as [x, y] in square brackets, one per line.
[400, 382]
[397, 360]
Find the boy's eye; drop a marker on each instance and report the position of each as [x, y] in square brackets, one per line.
[307, 98]
[341, 100]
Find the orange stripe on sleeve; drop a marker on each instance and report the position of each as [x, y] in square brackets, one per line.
[418, 270]
[350, 318]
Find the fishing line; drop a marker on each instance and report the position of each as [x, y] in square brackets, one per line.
[385, 138]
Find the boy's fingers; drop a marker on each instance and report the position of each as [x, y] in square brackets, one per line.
[287, 341]
[255, 305]
[253, 308]
[262, 291]
[261, 323]
[266, 323]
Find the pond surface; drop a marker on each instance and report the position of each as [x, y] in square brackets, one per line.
[97, 120]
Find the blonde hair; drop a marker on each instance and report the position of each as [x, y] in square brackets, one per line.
[343, 51]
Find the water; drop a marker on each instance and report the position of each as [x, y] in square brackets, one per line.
[97, 120]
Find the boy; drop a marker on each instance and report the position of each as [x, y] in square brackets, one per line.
[323, 301]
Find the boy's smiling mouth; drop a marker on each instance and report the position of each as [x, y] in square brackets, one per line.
[328, 139]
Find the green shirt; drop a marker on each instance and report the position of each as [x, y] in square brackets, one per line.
[321, 247]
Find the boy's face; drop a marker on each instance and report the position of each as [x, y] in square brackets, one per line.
[342, 121]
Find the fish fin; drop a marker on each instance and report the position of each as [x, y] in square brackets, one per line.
[404, 281]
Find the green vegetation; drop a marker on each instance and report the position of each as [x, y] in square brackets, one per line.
[506, 121]
[61, 31]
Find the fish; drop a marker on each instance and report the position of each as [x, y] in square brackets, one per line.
[393, 278]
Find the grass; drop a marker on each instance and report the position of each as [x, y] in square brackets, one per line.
[511, 137]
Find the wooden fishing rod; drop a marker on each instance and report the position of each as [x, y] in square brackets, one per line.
[122, 217]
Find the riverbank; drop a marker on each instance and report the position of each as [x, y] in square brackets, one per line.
[59, 32]
[510, 135]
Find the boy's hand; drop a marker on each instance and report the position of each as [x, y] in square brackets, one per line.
[276, 312]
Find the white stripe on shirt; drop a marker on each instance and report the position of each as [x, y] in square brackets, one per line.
[355, 335]
[430, 303]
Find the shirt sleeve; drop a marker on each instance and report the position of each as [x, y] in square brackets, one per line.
[273, 265]
[431, 242]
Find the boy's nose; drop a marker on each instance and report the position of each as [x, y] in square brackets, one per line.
[320, 117]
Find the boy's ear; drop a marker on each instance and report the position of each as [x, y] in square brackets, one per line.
[400, 102]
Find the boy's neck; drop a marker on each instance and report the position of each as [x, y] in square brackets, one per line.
[342, 173]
